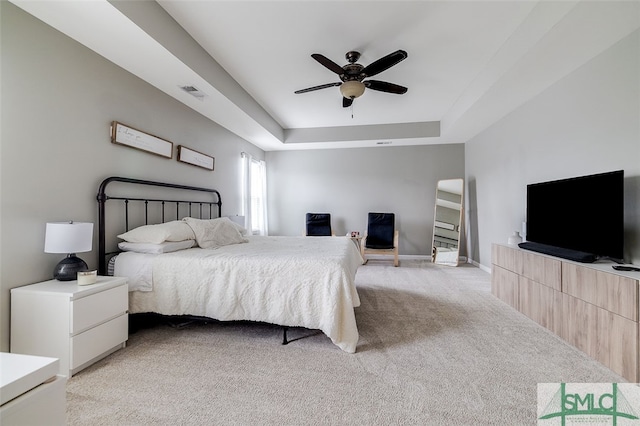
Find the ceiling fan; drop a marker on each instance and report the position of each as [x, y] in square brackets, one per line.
[353, 74]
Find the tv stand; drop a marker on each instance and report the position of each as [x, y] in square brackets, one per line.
[575, 255]
[591, 306]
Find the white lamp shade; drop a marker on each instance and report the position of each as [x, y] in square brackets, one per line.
[68, 237]
[237, 219]
[352, 89]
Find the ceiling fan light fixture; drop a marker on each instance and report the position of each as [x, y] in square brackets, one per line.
[352, 89]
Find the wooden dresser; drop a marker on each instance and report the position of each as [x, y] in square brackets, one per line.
[591, 306]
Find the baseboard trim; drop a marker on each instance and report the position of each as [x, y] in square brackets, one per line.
[479, 265]
[463, 259]
[400, 256]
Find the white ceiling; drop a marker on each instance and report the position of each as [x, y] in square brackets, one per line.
[469, 62]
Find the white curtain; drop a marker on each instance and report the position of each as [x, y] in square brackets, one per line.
[254, 194]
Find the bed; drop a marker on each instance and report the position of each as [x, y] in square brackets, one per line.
[289, 281]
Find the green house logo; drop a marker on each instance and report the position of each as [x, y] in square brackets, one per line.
[593, 406]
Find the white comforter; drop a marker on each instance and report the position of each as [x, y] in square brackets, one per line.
[290, 281]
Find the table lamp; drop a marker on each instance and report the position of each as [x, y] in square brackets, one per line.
[71, 238]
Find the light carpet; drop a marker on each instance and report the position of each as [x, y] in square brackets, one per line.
[435, 348]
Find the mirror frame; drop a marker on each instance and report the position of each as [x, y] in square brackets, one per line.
[447, 257]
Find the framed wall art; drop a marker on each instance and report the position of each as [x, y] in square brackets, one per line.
[195, 158]
[122, 134]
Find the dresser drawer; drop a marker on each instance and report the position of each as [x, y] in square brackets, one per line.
[612, 292]
[504, 285]
[97, 308]
[542, 269]
[507, 258]
[88, 345]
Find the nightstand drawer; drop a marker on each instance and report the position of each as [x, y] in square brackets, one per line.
[88, 345]
[96, 308]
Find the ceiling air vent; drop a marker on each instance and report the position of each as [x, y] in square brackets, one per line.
[193, 91]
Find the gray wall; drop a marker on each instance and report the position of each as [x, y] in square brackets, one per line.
[349, 183]
[588, 122]
[58, 99]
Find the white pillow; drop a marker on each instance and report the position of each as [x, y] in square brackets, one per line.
[176, 230]
[166, 247]
[214, 233]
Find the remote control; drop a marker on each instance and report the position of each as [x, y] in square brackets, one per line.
[625, 268]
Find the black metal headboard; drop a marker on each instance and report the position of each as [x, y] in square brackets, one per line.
[200, 205]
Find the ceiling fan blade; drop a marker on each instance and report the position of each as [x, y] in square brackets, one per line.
[328, 63]
[322, 86]
[384, 63]
[383, 86]
[346, 102]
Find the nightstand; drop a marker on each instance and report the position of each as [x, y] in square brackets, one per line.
[31, 392]
[76, 324]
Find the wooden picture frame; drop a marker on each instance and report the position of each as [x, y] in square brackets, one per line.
[122, 134]
[195, 158]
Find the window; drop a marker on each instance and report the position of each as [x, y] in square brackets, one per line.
[254, 197]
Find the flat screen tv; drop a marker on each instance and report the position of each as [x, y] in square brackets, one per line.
[583, 214]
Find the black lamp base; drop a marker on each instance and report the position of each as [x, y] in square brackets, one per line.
[68, 268]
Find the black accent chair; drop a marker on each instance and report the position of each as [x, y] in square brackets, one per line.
[381, 236]
[319, 225]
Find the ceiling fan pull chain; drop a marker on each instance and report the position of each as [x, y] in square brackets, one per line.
[352, 111]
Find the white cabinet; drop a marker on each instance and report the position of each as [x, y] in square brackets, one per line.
[31, 392]
[77, 324]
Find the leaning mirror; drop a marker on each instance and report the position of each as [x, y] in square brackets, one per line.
[447, 221]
